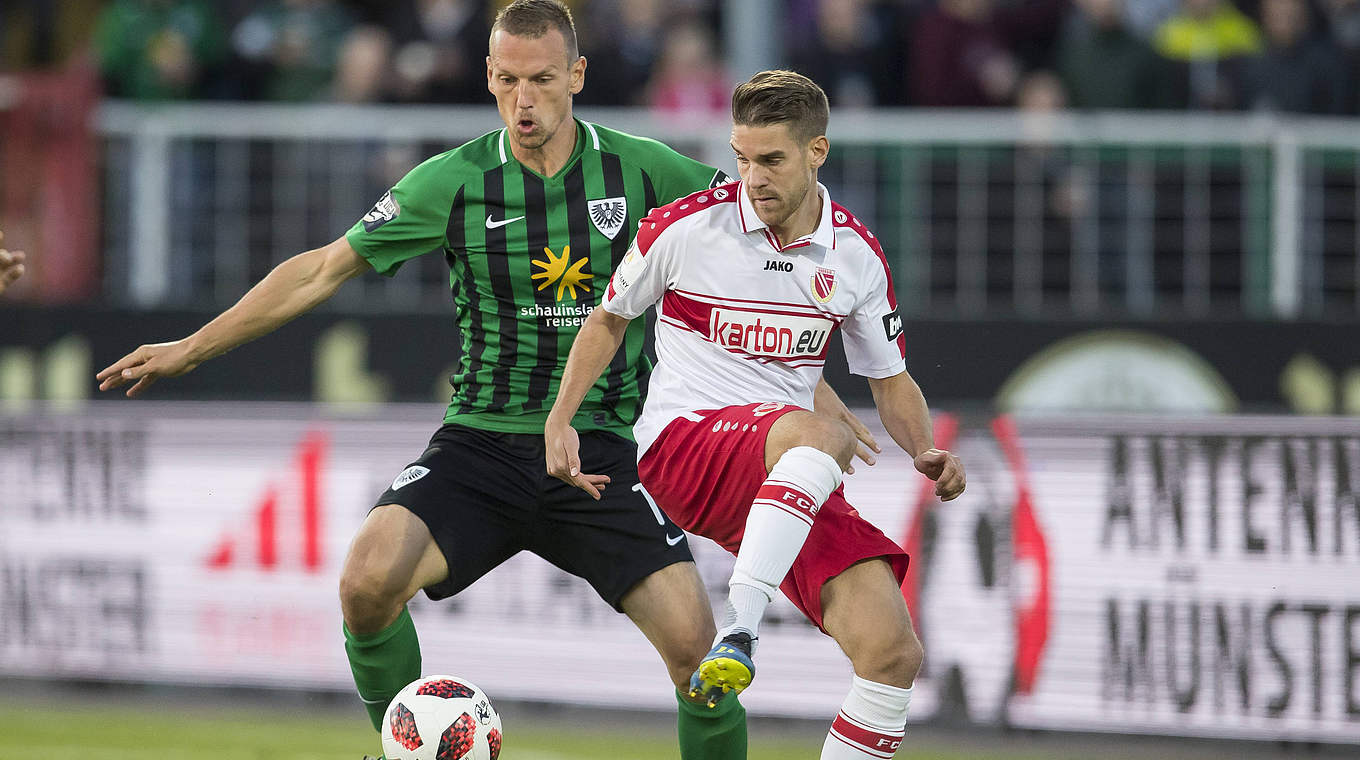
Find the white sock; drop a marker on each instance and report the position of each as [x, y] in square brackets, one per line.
[871, 723]
[780, 519]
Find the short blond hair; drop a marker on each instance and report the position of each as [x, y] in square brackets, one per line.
[782, 97]
[533, 19]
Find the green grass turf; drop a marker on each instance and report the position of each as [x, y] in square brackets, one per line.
[44, 729]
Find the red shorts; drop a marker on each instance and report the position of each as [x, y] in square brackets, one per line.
[704, 473]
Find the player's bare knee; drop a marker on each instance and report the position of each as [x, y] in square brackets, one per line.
[915, 655]
[843, 439]
[369, 599]
[682, 656]
[834, 438]
[895, 661]
[685, 648]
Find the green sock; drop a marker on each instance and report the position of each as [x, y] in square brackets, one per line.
[712, 733]
[383, 663]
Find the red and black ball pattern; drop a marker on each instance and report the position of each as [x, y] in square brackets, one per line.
[445, 689]
[493, 738]
[404, 727]
[457, 739]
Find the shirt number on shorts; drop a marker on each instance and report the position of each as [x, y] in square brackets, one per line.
[656, 512]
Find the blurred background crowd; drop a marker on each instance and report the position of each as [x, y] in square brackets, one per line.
[1214, 191]
[1300, 56]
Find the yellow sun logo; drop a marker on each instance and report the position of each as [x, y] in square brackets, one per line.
[556, 270]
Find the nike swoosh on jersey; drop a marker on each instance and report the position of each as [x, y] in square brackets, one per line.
[491, 225]
[673, 540]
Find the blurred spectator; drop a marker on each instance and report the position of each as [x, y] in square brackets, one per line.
[1103, 64]
[621, 41]
[1209, 40]
[1206, 29]
[963, 50]
[1297, 72]
[841, 51]
[689, 80]
[1041, 99]
[440, 51]
[44, 33]
[157, 49]
[1146, 16]
[1343, 21]
[1343, 25]
[291, 48]
[363, 65]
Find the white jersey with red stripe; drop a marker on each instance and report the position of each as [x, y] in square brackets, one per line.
[742, 318]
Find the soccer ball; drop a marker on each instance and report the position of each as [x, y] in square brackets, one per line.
[441, 718]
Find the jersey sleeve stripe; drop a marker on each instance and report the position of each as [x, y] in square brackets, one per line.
[852, 222]
[663, 217]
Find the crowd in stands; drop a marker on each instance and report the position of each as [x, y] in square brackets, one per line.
[1285, 55]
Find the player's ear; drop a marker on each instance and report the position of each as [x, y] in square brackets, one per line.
[489, 88]
[578, 75]
[818, 150]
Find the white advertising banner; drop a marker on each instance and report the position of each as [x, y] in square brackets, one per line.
[1204, 578]
[1133, 575]
[203, 544]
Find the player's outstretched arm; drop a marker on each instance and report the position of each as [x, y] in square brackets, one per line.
[902, 407]
[595, 344]
[11, 266]
[291, 288]
[828, 403]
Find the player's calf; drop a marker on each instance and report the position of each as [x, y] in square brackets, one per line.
[392, 557]
[779, 522]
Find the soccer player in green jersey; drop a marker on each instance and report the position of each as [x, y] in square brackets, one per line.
[532, 219]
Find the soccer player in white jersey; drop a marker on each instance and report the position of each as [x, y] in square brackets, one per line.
[750, 279]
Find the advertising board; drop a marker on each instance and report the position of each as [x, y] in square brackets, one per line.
[1184, 576]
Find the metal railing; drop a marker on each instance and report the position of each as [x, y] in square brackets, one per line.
[1121, 215]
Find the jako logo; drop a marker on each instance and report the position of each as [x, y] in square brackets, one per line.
[778, 266]
[774, 336]
[262, 533]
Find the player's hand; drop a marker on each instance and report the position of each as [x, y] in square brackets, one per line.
[11, 266]
[146, 365]
[563, 448]
[867, 446]
[945, 469]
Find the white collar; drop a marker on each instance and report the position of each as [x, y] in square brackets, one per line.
[824, 234]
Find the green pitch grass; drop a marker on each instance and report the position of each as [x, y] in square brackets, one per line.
[41, 729]
[101, 723]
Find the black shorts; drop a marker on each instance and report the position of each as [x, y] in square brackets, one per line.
[487, 496]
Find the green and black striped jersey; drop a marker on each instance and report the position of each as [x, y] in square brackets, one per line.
[529, 257]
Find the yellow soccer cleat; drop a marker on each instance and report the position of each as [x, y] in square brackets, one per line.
[726, 668]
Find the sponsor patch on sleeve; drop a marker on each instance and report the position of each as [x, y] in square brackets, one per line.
[892, 325]
[627, 272]
[720, 177]
[384, 211]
